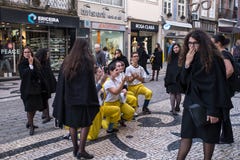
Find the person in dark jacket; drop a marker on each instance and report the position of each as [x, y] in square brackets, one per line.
[120, 57]
[171, 82]
[157, 61]
[143, 57]
[100, 55]
[30, 88]
[76, 101]
[43, 56]
[203, 77]
[220, 41]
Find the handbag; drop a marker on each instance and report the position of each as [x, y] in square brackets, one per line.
[199, 115]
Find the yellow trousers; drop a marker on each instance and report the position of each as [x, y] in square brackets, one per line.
[131, 100]
[111, 112]
[126, 110]
[140, 89]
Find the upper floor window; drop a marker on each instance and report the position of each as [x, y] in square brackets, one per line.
[109, 2]
[167, 6]
[181, 8]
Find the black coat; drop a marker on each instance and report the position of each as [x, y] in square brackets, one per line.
[80, 91]
[143, 57]
[209, 89]
[171, 80]
[50, 78]
[32, 85]
[157, 61]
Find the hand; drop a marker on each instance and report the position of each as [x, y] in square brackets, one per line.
[30, 60]
[190, 56]
[135, 75]
[212, 119]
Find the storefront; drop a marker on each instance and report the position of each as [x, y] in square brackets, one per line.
[144, 33]
[37, 30]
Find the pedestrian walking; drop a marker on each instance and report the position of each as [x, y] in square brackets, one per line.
[156, 61]
[31, 86]
[171, 80]
[204, 80]
[220, 41]
[43, 56]
[100, 55]
[143, 57]
[76, 101]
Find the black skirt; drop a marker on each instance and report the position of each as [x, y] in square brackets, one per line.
[33, 103]
[209, 133]
[79, 116]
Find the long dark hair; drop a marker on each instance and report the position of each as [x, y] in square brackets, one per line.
[79, 59]
[207, 49]
[36, 62]
[41, 55]
[158, 48]
[221, 38]
[172, 52]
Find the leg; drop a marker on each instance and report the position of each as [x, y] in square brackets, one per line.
[81, 151]
[157, 75]
[30, 116]
[153, 74]
[172, 102]
[208, 150]
[178, 101]
[73, 134]
[185, 146]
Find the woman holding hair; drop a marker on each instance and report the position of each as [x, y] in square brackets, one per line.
[30, 88]
[172, 84]
[43, 56]
[76, 102]
[157, 61]
[204, 80]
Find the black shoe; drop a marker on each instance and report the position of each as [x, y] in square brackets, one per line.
[152, 79]
[145, 110]
[113, 130]
[68, 137]
[174, 113]
[177, 109]
[75, 151]
[31, 132]
[46, 120]
[122, 123]
[28, 125]
[84, 155]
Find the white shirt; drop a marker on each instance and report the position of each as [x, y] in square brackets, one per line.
[109, 96]
[139, 70]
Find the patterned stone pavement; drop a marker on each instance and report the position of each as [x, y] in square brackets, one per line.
[154, 136]
[149, 137]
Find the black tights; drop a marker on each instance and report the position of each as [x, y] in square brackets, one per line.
[185, 147]
[175, 97]
[83, 138]
[30, 116]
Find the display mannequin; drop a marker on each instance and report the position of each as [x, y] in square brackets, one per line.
[134, 45]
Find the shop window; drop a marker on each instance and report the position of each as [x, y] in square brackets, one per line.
[111, 39]
[10, 45]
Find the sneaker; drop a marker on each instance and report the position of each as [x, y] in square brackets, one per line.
[113, 130]
[145, 110]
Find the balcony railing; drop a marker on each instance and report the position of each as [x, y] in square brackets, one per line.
[65, 5]
[227, 13]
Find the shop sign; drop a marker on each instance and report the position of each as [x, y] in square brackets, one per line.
[108, 26]
[10, 51]
[144, 27]
[99, 14]
[33, 19]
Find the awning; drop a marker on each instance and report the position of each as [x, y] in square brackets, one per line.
[229, 29]
[179, 24]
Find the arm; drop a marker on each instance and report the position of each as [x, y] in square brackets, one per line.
[118, 89]
[229, 68]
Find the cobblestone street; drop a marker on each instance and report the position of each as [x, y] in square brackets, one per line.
[149, 137]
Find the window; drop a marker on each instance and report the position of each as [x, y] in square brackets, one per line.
[109, 2]
[181, 8]
[167, 6]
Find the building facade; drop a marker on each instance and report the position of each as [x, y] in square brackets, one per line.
[38, 24]
[103, 22]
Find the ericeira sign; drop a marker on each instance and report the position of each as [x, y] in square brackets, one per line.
[143, 26]
[101, 14]
[34, 19]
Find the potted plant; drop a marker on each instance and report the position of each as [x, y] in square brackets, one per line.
[182, 17]
[169, 14]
